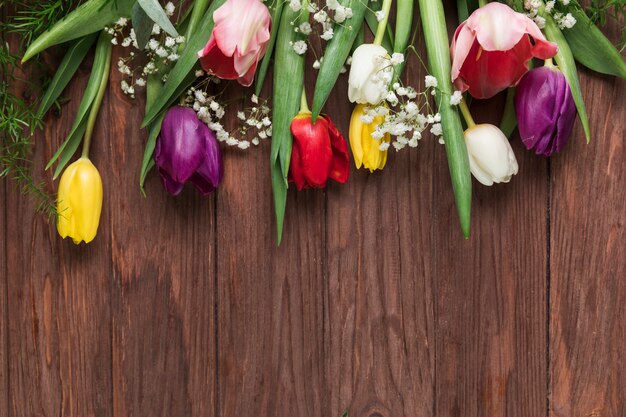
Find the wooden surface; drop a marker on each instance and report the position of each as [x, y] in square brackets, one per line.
[374, 304]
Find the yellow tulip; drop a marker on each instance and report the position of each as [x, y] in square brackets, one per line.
[365, 149]
[79, 201]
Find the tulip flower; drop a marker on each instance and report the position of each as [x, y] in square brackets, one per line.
[187, 150]
[238, 41]
[366, 149]
[319, 152]
[370, 73]
[490, 155]
[545, 110]
[491, 50]
[79, 201]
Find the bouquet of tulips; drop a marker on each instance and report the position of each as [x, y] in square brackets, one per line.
[187, 50]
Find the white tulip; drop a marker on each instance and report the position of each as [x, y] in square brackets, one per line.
[490, 155]
[370, 73]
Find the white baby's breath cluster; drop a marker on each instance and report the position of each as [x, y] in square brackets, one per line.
[324, 18]
[407, 113]
[561, 17]
[252, 121]
[160, 51]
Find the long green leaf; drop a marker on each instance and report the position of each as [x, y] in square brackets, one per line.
[155, 12]
[69, 147]
[142, 25]
[404, 23]
[277, 11]
[75, 135]
[184, 66]
[508, 123]
[336, 52]
[90, 17]
[289, 75]
[70, 63]
[148, 162]
[592, 49]
[438, 49]
[567, 65]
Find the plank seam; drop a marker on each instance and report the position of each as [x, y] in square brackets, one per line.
[327, 395]
[216, 388]
[548, 278]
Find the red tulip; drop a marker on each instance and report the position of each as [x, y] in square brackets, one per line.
[319, 152]
[238, 41]
[491, 50]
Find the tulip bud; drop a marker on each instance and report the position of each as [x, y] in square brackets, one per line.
[545, 110]
[79, 201]
[490, 155]
[319, 152]
[239, 39]
[491, 49]
[365, 148]
[187, 150]
[370, 73]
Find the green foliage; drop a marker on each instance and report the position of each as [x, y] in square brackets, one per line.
[599, 11]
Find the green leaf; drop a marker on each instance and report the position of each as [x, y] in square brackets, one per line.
[183, 69]
[592, 49]
[88, 18]
[80, 123]
[289, 75]
[438, 50]
[508, 123]
[465, 8]
[404, 23]
[68, 148]
[71, 61]
[154, 10]
[336, 52]
[277, 11]
[148, 162]
[142, 25]
[372, 23]
[567, 65]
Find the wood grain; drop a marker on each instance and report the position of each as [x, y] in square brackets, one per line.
[163, 274]
[58, 302]
[270, 300]
[4, 312]
[588, 260]
[491, 292]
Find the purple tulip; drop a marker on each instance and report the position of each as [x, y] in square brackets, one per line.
[545, 110]
[187, 150]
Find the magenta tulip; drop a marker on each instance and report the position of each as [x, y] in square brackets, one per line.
[491, 50]
[238, 41]
[187, 150]
[545, 110]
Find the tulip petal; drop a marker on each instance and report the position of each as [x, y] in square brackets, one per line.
[340, 167]
[181, 146]
[365, 81]
[209, 174]
[315, 152]
[215, 62]
[498, 27]
[356, 125]
[462, 42]
[170, 184]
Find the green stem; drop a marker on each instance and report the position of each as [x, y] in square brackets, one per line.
[199, 8]
[95, 107]
[549, 63]
[482, 3]
[304, 107]
[382, 25]
[466, 114]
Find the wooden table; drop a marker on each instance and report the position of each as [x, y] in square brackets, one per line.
[373, 304]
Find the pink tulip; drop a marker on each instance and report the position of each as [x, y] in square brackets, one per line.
[238, 41]
[491, 50]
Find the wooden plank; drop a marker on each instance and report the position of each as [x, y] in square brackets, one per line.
[380, 335]
[491, 292]
[163, 273]
[270, 300]
[4, 313]
[588, 260]
[58, 301]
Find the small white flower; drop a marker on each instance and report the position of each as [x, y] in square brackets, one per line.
[169, 41]
[436, 129]
[295, 5]
[455, 98]
[173, 57]
[244, 144]
[153, 44]
[122, 21]
[300, 47]
[431, 82]
[320, 16]
[305, 28]
[114, 41]
[156, 29]
[254, 99]
[380, 15]
[327, 35]
[549, 6]
[140, 82]
[199, 73]
[383, 146]
[316, 64]
[397, 58]
[162, 52]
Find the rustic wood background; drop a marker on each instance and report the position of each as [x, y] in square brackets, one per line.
[374, 304]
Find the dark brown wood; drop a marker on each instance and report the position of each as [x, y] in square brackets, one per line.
[162, 279]
[374, 304]
[491, 302]
[588, 260]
